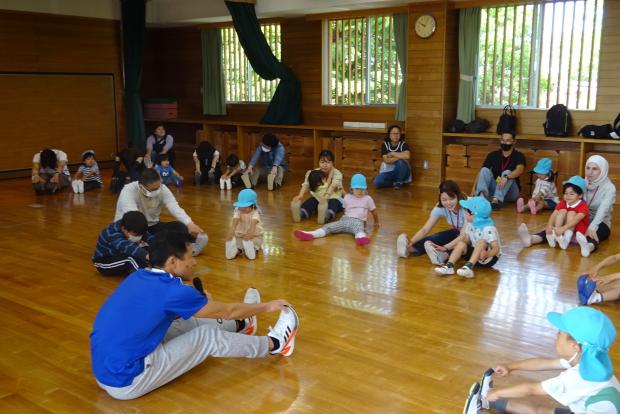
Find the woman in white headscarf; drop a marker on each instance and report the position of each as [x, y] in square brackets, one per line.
[600, 196]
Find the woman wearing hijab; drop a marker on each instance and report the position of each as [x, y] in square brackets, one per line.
[600, 196]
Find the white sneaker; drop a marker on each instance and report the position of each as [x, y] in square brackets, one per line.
[228, 184]
[249, 249]
[524, 235]
[486, 383]
[252, 296]
[231, 249]
[473, 405]
[465, 271]
[444, 270]
[285, 332]
[198, 246]
[584, 244]
[551, 239]
[437, 258]
[401, 245]
[564, 239]
[76, 188]
[222, 183]
[80, 186]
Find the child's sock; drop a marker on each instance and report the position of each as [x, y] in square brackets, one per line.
[231, 248]
[596, 297]
[564, 240]
[499, 405]
[361, 238]
[524, 235]
[317, 233]
[249, 249]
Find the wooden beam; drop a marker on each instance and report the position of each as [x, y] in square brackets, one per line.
[352, 14]
[219, 25]
[487, 3]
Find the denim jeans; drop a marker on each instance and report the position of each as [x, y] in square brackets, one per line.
[488, 185]
[399, 174]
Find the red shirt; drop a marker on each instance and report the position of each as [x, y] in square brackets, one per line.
[581, 207]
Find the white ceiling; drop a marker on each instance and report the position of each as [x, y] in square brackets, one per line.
[187, 12]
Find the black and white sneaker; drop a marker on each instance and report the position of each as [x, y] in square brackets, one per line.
[486, 383]
[250, 325]
[285, 332]
[473, 404]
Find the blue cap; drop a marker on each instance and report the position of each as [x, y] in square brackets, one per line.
[480, 208]
[246, 198]
[543, 166]
[593, 330]
[358, 181]
[578, 181]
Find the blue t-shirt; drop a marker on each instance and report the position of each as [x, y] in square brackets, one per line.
[134, 320]
[164, 172]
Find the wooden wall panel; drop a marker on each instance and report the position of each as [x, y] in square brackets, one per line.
[72, 113]
[43, 43]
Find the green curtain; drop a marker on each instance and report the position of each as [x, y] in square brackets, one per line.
[469, 39]
[213, 92]
[132, 21]
[400, 36]
[285, 106]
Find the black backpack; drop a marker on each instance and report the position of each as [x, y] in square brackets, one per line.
[507, 121]
[456, 126]
[596, 131]
[558, 121]
[477, 125]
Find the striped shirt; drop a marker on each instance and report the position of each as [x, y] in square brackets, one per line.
[85, 170]
[112, 242]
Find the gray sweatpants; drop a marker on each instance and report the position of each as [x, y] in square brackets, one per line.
[259, 173]
[345, 225]
[186, 344]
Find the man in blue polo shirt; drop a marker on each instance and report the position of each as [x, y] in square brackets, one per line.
[154, 327]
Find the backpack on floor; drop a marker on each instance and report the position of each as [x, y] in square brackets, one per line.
[477, 125]
[558, 121]
[507, 121]
[456, 126]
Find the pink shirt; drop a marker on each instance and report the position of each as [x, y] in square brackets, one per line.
[358, 207]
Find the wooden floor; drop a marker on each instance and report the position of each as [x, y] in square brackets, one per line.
[378, 334]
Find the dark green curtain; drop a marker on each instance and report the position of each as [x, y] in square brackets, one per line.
[133, 20]
[213, 91]
[285, 106]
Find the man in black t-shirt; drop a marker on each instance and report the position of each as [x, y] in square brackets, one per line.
[498, 178]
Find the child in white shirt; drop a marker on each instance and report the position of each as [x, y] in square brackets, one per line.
[246, 231]
[545, 194]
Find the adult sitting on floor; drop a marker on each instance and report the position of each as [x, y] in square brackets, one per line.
[49, 171]
[498, 179]
[148, 195]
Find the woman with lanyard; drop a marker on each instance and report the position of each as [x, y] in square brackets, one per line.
[159, 143]
[448, 207]
[600, 196]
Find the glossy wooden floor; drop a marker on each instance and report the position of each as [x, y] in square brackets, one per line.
[378, 334]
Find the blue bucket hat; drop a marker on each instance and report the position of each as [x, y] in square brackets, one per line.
[246, 198]
[359, 181]
[593, 330]
[578, 181]
[480, 208]
[543, 166]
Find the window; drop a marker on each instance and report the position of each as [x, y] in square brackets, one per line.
[242, 84]
[361, 61]
[539, 55]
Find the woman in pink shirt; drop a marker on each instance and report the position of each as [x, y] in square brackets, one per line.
[357, 204]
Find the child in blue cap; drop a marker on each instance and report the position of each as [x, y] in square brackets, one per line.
[587, 384]
[246, 231]
[545, 195]
[568, 222]
[357, 204]
[479, 240]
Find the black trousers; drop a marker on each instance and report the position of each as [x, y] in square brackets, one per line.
[118, 265]
[311, 206]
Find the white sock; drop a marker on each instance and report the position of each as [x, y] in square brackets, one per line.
[231, 248]
[81, 186]
[568, 235]
[317, 233]
[222, 183]
[360, 235]
[249, 249]
[228, 184]
[524, 235]
[595, 298]
[76, 188]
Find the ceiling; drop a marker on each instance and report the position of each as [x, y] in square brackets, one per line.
[189, 12]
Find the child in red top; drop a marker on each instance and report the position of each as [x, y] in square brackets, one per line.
[570, 217]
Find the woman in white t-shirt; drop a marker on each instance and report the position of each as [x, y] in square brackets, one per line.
[447, 207]
[49, 171]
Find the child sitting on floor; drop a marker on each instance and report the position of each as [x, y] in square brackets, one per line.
[246, 232]
[593, 288]
[168, 174]
[479, 240]
[119, 250]
[234, 169]
[87, 176]
[587, 384]
[568, 222]
[545, 195]
[357, 204]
